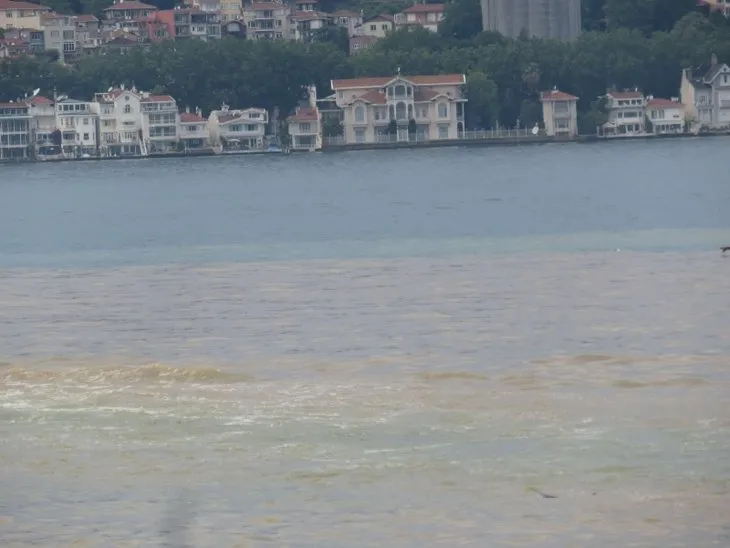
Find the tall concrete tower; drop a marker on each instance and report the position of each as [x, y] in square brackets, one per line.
[558, 19]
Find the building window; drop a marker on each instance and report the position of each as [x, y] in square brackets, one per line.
[359, 114]
[86, 136]
[127, 109]
[359, 135]
[304, 128]
[86, 121]
[250, 127]
[373, 28]
[443, 110]
[400, 111]
[443, 132]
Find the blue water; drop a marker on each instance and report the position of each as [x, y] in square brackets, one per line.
[667, 195]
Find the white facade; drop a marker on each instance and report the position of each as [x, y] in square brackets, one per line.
[194, 131]
[238, 129]
[43, 113]
[626, 113]
[705, 94]
[160, 123]
[665, 116]
[559, 113]
[77, 121]
[379, 26]
[305, 125]
[433, 104]
[120, 123]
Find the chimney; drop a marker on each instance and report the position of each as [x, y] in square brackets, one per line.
[187, 110]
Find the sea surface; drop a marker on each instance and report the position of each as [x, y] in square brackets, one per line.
[525, 346]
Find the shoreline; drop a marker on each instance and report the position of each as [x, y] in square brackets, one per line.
[403, 145]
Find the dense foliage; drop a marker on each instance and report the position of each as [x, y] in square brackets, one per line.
[504, 76]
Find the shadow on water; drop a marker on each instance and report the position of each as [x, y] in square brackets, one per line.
[180, 513]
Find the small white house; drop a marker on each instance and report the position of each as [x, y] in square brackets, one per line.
[665, 115]
[194, 132]
[559, 113]
[305, 125]
[626, 113]
[238, 130]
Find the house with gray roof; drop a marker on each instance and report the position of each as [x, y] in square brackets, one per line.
[705, 94]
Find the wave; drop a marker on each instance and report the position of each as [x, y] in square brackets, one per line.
[11, 373]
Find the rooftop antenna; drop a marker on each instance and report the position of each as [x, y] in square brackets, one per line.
[110, 88]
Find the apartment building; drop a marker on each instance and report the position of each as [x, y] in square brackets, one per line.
[59, 35]
[160, 123]
[23, 15]
[426, 16]
[15, 131]
[77, 122]
[558, 19]
[268, 21]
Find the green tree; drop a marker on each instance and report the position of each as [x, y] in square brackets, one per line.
[462, 20]
[482, 105]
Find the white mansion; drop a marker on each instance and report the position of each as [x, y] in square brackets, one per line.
[434, 104]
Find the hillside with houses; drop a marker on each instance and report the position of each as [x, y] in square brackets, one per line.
[216, 66]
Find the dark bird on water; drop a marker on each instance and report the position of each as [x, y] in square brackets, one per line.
[726, 248]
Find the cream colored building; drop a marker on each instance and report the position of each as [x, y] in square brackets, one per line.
[559, 113]
[705, 94]
[194, 132]
[435, 104]
[21, 15]
[268, 21]
[379, 26]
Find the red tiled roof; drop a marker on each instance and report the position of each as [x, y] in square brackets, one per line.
[130, 6]
[663, 103]
[556, 95]
[40, 100]
[12, 5]
[307, 1]
[306, 114]
[374, 97]
[158, 99]
[363, 39]
[380, 81]
[625, 94]
[191, 118]
[86, 18]
[424, 8]
[381, 17]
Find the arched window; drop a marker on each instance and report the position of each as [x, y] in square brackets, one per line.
[127, 109]
[400, 90]
[359, 114]
[400, 111]
[443, 110]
